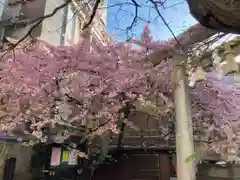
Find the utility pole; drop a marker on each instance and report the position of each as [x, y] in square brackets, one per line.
[184, 130]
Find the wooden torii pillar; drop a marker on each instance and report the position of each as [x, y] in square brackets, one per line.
[184, 130]
[184, 138]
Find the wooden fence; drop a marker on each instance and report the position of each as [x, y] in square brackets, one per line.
[218, 172]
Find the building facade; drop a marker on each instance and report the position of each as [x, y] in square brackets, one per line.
[62, 26]
[98, 25]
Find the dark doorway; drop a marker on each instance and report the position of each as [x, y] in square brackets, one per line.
[9, 169]
[136, 166]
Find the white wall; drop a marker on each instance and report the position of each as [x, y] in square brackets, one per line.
[70, 25]
[3, 4]
[30, 11]
[34, 10]
[57, 29]
[103, 11]
[52, 27]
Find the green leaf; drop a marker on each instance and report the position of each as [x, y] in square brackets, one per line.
[191, 157]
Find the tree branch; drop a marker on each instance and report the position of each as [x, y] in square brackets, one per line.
[37, 22]
[194, 34]
[95, 8]
[164, 21]
[135, 14]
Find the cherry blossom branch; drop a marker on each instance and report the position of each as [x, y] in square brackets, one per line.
[194, 34]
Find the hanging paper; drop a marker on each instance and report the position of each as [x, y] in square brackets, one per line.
[55, 156]
[65, 156]
[72, 158]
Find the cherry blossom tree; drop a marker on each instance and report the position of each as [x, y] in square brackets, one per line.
[48, 86]
[215, 100]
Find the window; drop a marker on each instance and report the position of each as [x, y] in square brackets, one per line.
[64, 26]
[69, 24]
[61, 156]
[9, 168]
[73, 30]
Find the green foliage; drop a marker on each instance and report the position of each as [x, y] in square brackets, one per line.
[192, 157]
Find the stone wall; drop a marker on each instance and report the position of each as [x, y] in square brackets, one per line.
[23, 156]
[218, 172]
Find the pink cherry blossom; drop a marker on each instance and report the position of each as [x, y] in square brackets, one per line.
[73, 84]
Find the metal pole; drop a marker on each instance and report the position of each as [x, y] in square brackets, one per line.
[184, 130]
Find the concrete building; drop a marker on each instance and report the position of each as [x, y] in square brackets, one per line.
[60, 28]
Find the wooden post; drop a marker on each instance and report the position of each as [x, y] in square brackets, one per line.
[184, 131]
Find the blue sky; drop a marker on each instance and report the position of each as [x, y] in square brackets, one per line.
[176, 13]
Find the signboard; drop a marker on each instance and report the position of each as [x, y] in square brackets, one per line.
[64, 156]
[55, 156]
[72, 158]
[61, 156]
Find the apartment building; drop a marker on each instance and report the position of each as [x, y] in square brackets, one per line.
[98, 28]
[60, 28]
